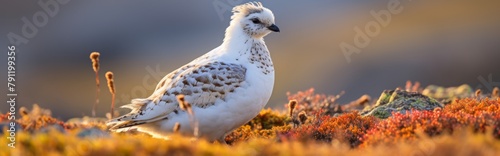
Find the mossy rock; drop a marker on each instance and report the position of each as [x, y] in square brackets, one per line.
[400, 101]
[446, 95]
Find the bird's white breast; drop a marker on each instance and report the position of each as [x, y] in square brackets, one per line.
[238, 107]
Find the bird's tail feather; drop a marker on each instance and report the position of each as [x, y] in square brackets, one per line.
[127, 120]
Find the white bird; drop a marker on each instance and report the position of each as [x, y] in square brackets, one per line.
[227, 86]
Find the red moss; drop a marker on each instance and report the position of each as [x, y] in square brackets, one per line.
[348, 128]
[313, 103]
[352, 128]
[4, 117]
[478, 115]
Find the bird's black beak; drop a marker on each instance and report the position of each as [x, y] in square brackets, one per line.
[274, 28]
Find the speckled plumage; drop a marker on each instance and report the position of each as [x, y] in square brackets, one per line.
[227, 87]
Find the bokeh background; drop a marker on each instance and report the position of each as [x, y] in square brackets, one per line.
[434, 42]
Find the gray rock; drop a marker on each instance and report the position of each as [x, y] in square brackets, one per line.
[93, 133]
[400, 101]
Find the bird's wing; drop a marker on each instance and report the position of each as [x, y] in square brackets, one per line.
[201, 84]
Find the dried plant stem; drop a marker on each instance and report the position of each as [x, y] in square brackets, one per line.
[96, 93]
[176, 128]
[495, 93]
[415, 87]
[291, 107]
[303, 117]
[478, 93]
[94, 57]
[111, 86]
[113, 105]
[185, 106]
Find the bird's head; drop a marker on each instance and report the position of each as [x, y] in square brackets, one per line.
[255, 20]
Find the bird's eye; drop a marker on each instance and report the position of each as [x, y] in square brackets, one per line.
[255, 20]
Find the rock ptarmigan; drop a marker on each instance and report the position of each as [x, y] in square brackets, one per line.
[227, 86]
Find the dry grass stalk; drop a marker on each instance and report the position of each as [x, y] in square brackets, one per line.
[415, 87]
[408, 86]
[111, 86]
[303, 117]
[177, 126]
[412, 87]
[495, 93]
[291, 107]
[478, 93]
[94, 57]
[185, 106]
[358, 103]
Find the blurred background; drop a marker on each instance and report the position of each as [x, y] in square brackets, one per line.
[447, 43]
